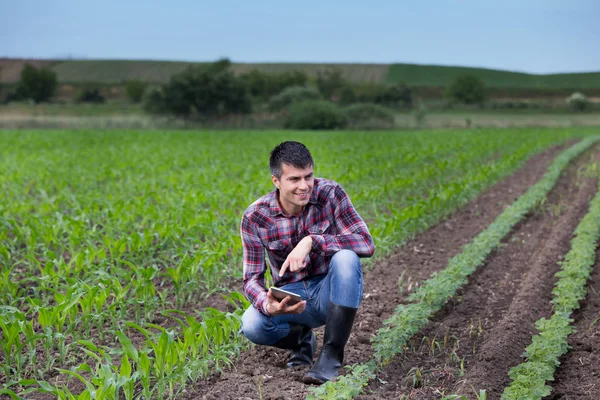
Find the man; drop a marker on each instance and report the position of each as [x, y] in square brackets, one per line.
[314, 238]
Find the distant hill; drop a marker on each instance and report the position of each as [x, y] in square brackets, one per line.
[119, 71]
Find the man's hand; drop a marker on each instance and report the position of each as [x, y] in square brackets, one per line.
[276, 307]
[298, 258]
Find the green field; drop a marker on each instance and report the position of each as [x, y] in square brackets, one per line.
[442, 76]
[105, 232]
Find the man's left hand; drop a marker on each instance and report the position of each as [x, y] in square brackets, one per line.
[298, 258]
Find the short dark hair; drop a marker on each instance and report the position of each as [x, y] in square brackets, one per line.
[291, 153]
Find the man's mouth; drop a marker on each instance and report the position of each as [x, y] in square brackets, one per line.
[302, 194]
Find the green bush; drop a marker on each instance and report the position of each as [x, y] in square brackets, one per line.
[330, 82]
[369, 116]
[578, 102]
[315, 114]
[37, 84]
[394, 96]
[263, 85]
[135, 90]
[293, 95]
[467, 89]
[204, 91]
[90, 95]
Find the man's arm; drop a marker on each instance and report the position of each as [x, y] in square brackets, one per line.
[254, 266]
[353, 232]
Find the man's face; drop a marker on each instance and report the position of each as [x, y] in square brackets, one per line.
[295, 188]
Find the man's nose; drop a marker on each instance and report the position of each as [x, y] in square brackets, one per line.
[303, 185]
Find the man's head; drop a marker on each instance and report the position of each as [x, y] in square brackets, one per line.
[292, 173]
[294, 154]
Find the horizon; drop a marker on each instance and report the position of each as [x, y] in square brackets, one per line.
[538, 37]
[59, 59]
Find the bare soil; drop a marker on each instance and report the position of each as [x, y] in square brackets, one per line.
[260, 372]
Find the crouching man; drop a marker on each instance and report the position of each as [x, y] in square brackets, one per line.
[314, 239]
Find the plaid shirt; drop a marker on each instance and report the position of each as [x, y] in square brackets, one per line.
[330, 219]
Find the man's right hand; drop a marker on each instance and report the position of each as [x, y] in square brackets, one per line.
[276, 307]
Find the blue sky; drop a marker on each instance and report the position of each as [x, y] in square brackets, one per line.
[536, 36]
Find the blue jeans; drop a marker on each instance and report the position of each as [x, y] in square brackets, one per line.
[342, 285]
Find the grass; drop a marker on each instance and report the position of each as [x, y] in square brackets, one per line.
[124, 115]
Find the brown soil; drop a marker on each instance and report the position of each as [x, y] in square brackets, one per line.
[578, 376]
[261, 371]
[480, 334]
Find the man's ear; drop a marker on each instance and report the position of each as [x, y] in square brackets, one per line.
[275, 181]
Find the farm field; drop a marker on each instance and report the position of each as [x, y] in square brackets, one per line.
[121, 259]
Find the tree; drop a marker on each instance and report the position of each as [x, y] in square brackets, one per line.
[330, 82]
[577, 101]
[396, 95]
[203, 90]
[467, 89]
[263, 85]
[135, 90]
[37, 84]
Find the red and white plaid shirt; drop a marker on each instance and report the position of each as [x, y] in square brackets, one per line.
[330, 219]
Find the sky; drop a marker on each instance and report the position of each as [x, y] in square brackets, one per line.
[534, 36]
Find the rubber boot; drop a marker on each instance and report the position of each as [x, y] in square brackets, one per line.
[301, 341]
[337, 331]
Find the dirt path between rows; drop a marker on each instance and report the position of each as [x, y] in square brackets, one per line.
[578, 376]
[472, 343]
[260, 372]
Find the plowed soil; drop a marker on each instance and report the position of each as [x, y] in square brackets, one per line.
[479, 335]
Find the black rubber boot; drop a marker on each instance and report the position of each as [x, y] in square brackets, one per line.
[337, 331]
[301, 340]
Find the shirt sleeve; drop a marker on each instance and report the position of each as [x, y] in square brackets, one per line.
[353, 233]
[254, 266]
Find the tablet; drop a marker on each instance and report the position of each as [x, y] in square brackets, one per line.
[281, 294]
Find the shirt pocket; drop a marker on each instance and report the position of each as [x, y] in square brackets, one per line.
[319, 229]
[280, 247]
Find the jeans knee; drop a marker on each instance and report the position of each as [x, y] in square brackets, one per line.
[253, 326]
[346, 264]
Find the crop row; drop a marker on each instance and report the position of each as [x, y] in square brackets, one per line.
[529, 378]
[104, 232]
[429, 298]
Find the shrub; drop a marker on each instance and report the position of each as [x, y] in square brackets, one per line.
[37, 84]
[90, 96]
[330, 82]
[467, 89]
[153, 101]
[264, 85]
[370, 116]
[347, 95]
[135, 90]
[315, 114]
[293, 95]
[577, 102]
[206, 91]
[394, 96]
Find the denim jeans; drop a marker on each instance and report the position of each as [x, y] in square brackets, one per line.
[342, 285]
